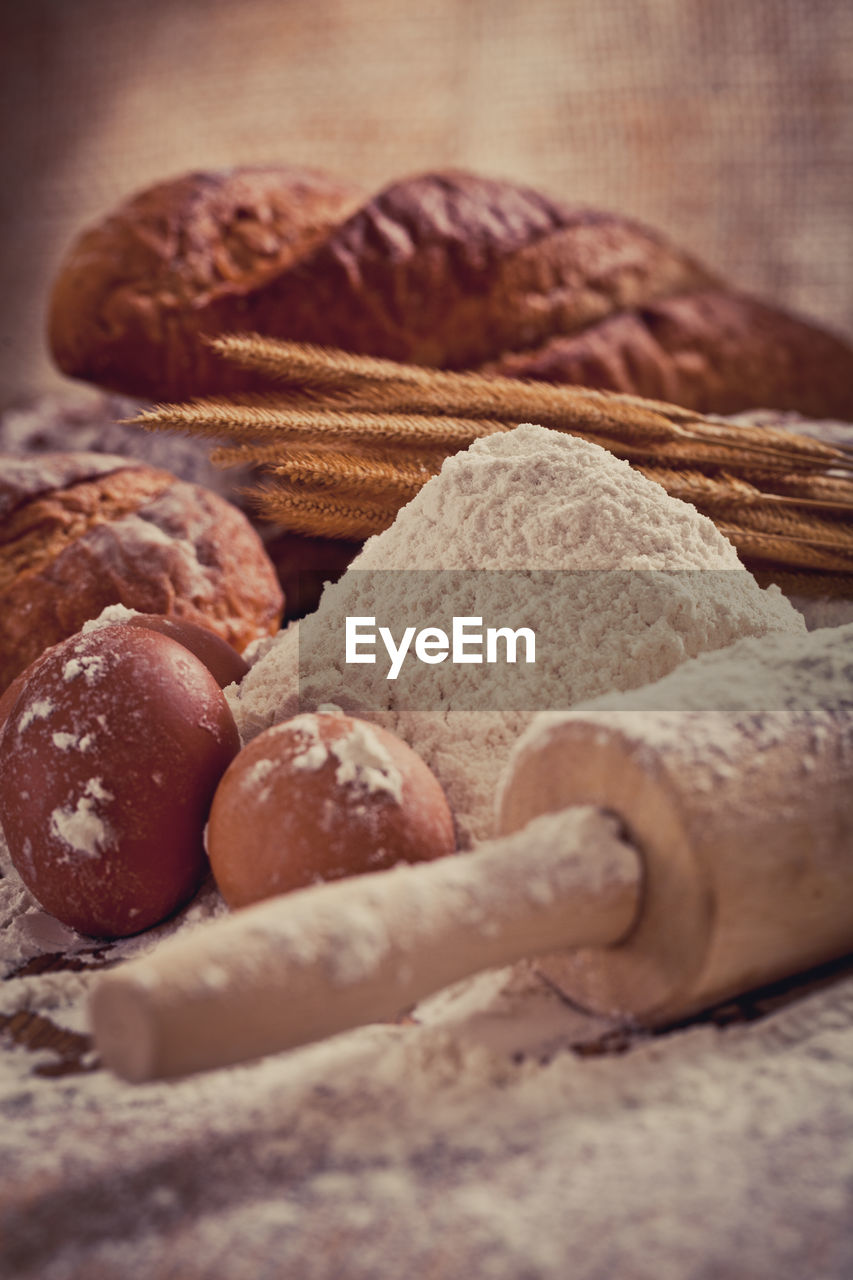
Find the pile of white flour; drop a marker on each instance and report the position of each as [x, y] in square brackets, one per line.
[633, 609]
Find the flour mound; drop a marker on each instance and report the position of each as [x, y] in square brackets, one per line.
[534, 498]
[528, 499]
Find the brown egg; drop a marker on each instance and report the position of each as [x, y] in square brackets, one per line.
[223, 661]
[220, 658]
[320, 797]
[109, 759]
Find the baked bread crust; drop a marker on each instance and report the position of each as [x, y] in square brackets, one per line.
[81, 531]
[138, 292]
[444, 269]
[712, 351]
[450, 270]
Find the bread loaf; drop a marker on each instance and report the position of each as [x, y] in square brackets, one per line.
[444, 269]
[449, 269]
[79, 531]
[711, 350]
[138, 292]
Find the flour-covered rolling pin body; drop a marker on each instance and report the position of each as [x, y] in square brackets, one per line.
[733, 777]
[717, 854]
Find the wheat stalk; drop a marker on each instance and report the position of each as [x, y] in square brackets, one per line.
[270, 418]
[350, 473]
[833, 493]
[260, 455]
[726, 491]
[762, 547]
[304, 364]
[344, 440]
[399, 389]
[386, 385]
[416, 392]
[321, 514]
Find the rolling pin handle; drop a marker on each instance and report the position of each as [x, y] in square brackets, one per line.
[306, 965]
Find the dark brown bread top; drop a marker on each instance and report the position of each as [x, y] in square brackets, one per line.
[138, 291]
[712, 351]
[81, 531]
[450, 270]
[443, 269]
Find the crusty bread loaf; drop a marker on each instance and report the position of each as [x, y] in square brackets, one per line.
[455, 271]
[711, 350]
[449, 269]
[139, 291]
[79, 531]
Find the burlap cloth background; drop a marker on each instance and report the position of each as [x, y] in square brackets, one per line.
[728, 125]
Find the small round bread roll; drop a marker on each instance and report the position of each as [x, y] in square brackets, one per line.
[320, 797]
[85, 530]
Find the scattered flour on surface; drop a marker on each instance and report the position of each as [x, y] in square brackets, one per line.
[468, 1145]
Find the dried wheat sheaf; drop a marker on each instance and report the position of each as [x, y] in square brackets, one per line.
[342, 441]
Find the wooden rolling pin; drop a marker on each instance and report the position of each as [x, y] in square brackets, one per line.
[672, 856]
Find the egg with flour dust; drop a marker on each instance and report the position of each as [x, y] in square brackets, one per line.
[221, 658]
[223, 661]
[109, 759]
[320, 797]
